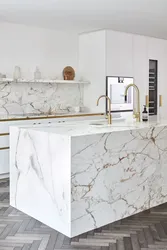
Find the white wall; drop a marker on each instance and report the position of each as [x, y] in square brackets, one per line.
[29, 47]
[51, 51]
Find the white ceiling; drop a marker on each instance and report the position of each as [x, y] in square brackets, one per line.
[147, 17]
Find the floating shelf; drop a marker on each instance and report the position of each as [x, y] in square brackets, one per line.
[10, 80]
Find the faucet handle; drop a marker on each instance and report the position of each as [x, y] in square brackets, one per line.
[137, 115]
[134, 113]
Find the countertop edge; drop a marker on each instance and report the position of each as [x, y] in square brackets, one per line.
[51, 117]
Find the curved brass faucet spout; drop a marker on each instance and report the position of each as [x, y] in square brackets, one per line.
[136, 114]
[109, 107]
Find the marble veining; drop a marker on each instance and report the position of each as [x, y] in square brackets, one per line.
[39, 98]
[120, 175]
[79, 182]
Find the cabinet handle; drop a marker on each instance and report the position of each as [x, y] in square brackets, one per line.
[160, 100]
[147, 101]
[4, 148]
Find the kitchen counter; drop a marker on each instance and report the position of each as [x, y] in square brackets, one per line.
[78, 177]
[81, 128]
[15, 117]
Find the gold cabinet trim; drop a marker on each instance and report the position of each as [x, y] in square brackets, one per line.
[4, 134]
[50, 117]
[4, 148]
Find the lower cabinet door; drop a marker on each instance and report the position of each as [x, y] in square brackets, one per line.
[4, 161]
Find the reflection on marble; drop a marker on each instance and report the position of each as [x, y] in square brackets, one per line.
[39, 98]
[39, 184]
[77, 183]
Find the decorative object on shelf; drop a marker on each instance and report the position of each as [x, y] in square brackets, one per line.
[37, 74]
[2, 76]
[68, 73]
[77, 109]
[17, 73]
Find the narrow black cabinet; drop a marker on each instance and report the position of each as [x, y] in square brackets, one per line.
[153, 86]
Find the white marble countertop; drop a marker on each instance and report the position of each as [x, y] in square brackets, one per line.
[35, 116]
[88, 127]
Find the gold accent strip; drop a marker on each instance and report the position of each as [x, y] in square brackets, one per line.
[160, 100]
[50, 117]
[147, 101]
[4, 148]
[4, 134]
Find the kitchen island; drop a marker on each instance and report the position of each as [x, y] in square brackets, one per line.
[32, 119]
[81, 176]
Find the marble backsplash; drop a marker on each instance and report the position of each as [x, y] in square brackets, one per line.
[39, 98]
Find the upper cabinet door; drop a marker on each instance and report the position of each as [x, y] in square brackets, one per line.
[119, 54]
[141, 66]
[157, 50]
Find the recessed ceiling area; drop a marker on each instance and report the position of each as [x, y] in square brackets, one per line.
[145, 17]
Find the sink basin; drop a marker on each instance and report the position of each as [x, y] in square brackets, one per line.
[105, 125]
[100, 124]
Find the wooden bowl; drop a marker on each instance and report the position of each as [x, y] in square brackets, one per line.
[68, 73]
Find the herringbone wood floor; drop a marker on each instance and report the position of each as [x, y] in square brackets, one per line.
[20, 232]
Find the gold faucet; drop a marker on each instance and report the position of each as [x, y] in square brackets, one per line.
[136, 114]
[109, 107]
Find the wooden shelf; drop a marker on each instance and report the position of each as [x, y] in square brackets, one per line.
[10, 80]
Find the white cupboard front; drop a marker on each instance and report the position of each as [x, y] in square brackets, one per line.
[119, 54]
[157, 50]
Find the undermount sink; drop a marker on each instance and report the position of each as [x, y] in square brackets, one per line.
[100, 124]
[103, 125]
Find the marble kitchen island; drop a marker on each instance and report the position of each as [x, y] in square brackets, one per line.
[78, 177]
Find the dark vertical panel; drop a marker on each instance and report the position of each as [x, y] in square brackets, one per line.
[153, 86]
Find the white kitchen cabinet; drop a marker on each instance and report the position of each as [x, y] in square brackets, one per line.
[163, 85]
[141, 67]
[145, 49]
[92, 64]
[157, 50]
[119, 54]
[111, 53]
[4, 141]
[4, 163]
[103, 53]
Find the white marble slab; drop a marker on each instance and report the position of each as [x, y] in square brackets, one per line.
[75, 178]
[39, 98]
[44, 175]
